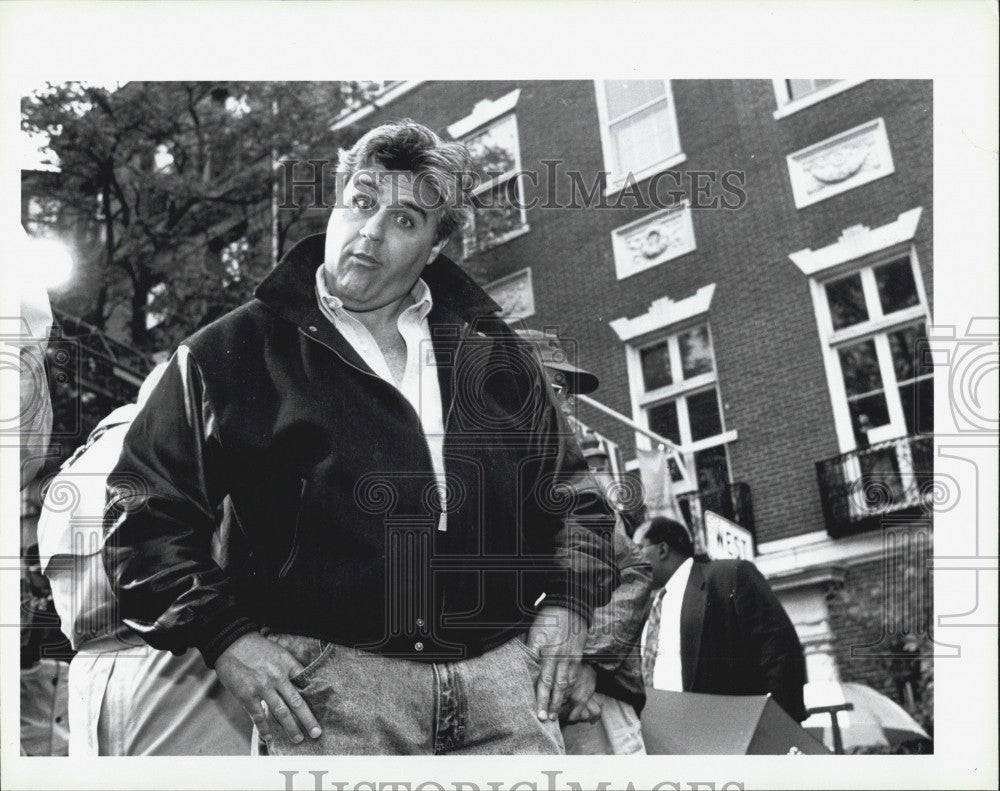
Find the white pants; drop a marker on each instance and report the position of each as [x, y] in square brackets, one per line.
[44, 726]
[617, 731]
[140, 701]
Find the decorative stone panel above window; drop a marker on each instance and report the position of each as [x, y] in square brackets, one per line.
[515, 294]
[652, 240]
[840, 163]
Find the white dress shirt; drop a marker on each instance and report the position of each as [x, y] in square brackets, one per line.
[419, 385]
[667, 670]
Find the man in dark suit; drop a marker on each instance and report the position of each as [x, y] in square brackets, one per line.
[716, 626]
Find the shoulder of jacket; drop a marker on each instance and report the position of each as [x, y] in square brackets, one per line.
[237, 328]
[723, 569]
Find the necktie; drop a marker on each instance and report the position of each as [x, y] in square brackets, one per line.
[652, 644]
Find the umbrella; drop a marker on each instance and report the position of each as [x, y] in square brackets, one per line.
[693, 723]
[846, 716]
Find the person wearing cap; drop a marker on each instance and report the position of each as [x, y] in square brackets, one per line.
[601, 716]
[565, 377]
[716, 626]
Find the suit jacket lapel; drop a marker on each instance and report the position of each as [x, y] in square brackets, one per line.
[692, 620]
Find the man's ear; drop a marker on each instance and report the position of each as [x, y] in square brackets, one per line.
[436, 250]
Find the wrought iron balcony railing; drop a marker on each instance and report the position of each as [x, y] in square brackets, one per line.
[858, 488]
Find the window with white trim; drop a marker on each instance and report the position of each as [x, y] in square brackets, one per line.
[876, 332]
[675, 386]
[496, 156]
[792, 95]
[872, 317]
[796, 89]
[638, 129]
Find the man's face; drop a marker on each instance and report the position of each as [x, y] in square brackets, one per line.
[659, 557]
[379, 239]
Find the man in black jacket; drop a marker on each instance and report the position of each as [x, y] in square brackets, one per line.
[716, 626]
[397, 470]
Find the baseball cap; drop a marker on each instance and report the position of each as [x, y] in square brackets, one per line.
[555, 358]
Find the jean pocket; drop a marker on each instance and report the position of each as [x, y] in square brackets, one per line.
[310, 652]
[521, 642]
[301, 678]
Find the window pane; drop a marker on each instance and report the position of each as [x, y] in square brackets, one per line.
[626, 95]
[918, 406]
[497, 216]
[896, 289]
[867, 413]
[860, 366]
[656, 366]
[643, 139]
[696, 352]
[494, 150]
[847, 302]
[798, 88]
[910, 352]
[712, 469]
[703, 415]
[663, 420]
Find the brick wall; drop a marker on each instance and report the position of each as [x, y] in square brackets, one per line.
[771, 377]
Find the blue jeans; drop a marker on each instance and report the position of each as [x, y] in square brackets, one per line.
[369, 704]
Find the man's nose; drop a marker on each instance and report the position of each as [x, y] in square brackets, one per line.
[374, 227]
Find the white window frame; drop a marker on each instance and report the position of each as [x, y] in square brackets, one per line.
[392, 90]
[485, 114]
[667, 319]
[862, 250]
[617, 181]
[787, 105]
[678, 392]
[877, 327]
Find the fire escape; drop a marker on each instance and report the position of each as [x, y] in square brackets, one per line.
[90, 374]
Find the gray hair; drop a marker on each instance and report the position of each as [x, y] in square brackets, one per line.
[444, 165]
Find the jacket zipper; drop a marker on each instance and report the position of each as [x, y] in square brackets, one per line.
[446, 420]
[398, 394]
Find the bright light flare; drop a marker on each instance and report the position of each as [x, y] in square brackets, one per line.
[49, 262]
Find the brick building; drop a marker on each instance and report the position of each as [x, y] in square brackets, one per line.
[746, 265]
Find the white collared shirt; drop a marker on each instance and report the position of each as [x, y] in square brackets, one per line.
[419, 385]
[667, 670]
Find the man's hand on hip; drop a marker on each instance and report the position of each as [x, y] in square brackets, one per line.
[257, 670]
[558, 636]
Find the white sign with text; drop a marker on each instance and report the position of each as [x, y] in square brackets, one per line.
[727, 539]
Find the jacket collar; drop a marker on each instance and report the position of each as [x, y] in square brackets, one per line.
[290, 289]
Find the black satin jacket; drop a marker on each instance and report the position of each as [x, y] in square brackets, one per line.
[331, 490]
